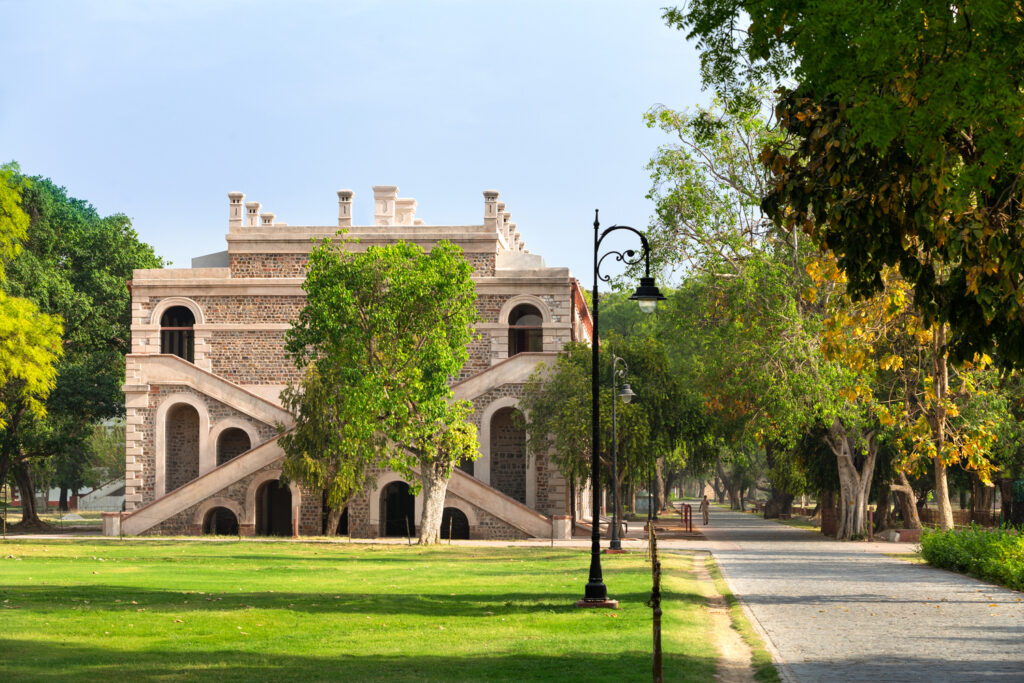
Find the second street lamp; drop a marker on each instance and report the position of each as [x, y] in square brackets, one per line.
[615, 544]
[647, 295]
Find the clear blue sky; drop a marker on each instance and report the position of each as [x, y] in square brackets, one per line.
[159, 109]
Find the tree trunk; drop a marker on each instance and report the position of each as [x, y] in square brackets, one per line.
[659, 487]
[883, 511]
[854, 482]
[435, 486]
[63, 502]
[720, 489]
[572, 507]
[333, 517]
[908, 502]
[942, 494]
[939, 426]
[29, 511]
[779, 504]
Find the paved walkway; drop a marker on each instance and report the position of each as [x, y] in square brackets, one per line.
[845, 612]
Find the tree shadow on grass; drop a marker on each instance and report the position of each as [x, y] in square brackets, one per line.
[27, 660]
[117, 599]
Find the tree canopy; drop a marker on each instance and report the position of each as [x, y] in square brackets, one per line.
[73, 266]
[908, 128]
[382, 335]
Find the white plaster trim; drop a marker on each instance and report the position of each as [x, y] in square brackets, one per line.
[382, 481]
[233, 423]
[254, 485]
[518, 299]
[217, 502]
[206, 461]
[171, 302]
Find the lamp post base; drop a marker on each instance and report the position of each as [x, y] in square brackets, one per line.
[606, 603]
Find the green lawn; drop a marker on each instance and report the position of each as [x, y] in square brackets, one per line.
[247, 610]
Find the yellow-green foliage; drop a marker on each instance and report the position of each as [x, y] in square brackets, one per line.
[30, 341]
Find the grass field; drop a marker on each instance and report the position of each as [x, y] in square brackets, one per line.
[244, 610]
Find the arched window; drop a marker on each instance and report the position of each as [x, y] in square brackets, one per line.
[525, 331]
[231, 443]
[176, 334]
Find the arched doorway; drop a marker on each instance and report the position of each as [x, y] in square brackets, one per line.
[181, 451]
[397, 510]
[273, 509]
[220, 522]
[177, 336]
[454, 524]
[508, 454]
[525, 330]
[231, 443]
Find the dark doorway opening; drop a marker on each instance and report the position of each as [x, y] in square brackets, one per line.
[176, 334]
[273, 509]
[454, 524]
[220, 522]
[397, 510]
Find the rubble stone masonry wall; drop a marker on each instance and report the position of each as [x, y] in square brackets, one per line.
[250, 309]
[268, 265]
[251, 357]
[146, 428]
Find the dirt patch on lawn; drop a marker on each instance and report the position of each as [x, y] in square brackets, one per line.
[734, 664]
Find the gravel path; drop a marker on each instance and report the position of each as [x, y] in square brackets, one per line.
[844, 612]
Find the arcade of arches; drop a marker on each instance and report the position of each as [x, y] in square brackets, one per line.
[181, 459]
[508, 454]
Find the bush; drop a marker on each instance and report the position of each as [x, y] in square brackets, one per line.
[995, 555]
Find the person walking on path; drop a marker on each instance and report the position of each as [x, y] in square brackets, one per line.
[704, 508]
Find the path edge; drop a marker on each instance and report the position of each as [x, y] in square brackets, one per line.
[785, 673]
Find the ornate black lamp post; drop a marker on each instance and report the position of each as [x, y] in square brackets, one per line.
[615, 545]
[647, 295]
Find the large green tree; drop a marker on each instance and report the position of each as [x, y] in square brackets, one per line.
[75, 265]
[908, 123]
[385, 331]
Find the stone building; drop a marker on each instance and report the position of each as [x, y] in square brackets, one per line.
[207, 366]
